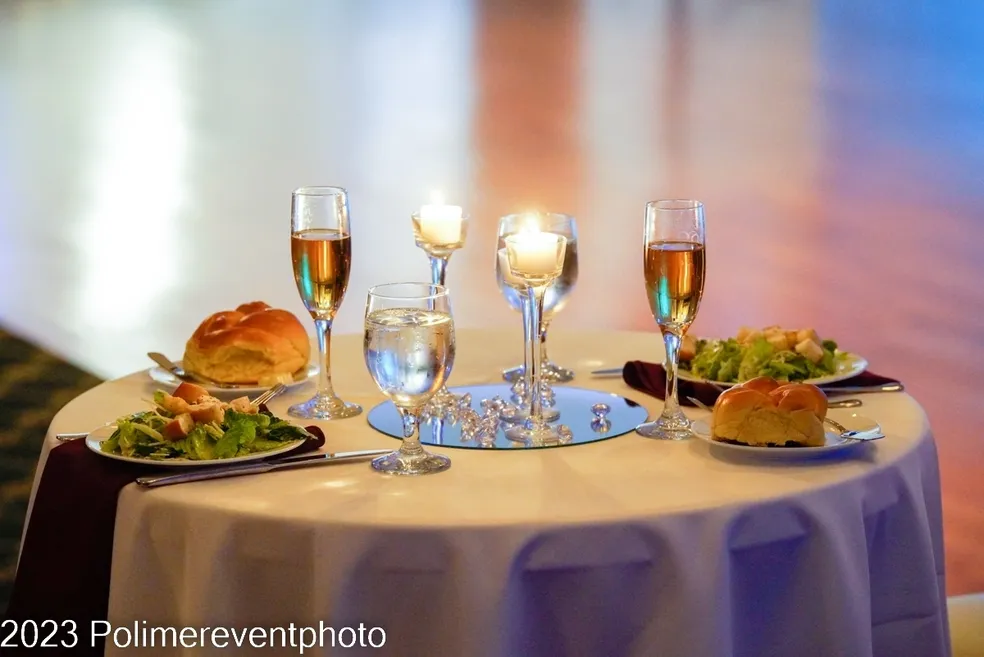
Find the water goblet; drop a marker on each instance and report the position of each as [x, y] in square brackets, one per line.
[409, 351]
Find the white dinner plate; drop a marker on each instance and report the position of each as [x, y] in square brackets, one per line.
[101, 434]
[849, 365]
[162, 376]
[834, 443]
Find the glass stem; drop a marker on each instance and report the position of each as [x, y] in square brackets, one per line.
[411, 438]
[671, 341]
[544, 325]
[535, 295]
[439, 269]
[438, 427]
[529, 343]
[325, 389]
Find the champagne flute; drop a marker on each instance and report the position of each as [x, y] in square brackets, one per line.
[321, 250]
[674, 265]
[536, 259]
[557, 293]
[409, 349]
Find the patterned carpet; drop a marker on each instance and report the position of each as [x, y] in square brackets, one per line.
[34, 385]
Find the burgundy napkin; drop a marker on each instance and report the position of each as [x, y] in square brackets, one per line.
[650, 378]
[68, 547]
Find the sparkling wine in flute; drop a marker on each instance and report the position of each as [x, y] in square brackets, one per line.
[674, 282]
[557, 292]
[409, 353]
[322, 260]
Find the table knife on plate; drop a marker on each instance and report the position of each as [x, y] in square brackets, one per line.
[256, 467]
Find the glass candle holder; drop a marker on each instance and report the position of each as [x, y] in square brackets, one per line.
[555, 298]
[536, 259]
[440, 230]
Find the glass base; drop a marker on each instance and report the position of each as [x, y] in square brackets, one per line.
[543, 435]
[517, 415]
[550, 371]
[421, 463]
[324, 408]
[667, 427]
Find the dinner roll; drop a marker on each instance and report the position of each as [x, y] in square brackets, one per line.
[767, 414]
[253, 344]
[764, 384]
[796, 396]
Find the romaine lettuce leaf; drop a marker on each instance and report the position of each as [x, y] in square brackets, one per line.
[128, 438]
[757, 355]
[285, 431]
[112, 444]
[716, 359]
[228, 445]
[199, 444]
[264, 445]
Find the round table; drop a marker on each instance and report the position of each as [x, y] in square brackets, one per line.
[625, 547]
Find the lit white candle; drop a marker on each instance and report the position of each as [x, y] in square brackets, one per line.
[441, 224]
[535, 254]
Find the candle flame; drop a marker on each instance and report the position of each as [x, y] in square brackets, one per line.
[437, 198]
[531, 223]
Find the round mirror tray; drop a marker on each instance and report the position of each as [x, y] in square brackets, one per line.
[583, 411]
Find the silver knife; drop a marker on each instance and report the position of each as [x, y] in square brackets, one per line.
[256, 467]
[854, 390]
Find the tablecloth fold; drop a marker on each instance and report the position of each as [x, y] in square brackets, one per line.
[66, 558]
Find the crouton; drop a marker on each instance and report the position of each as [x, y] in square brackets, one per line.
[811, 350]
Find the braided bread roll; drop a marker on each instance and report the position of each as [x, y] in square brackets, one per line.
[253, 344]
[762, 412]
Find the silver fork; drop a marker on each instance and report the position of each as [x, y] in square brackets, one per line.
[262, 398]
[275, 391]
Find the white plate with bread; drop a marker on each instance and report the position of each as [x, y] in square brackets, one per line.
[246, 350]
[780, 421]
[165, 378]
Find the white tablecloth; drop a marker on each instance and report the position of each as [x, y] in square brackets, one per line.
[628, 547]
